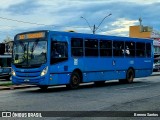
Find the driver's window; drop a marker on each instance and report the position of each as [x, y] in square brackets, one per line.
[59, 51]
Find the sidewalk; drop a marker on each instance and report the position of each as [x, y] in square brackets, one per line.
[155, 73]
[12, 87]
[7, 85]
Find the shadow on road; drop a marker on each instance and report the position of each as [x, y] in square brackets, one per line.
[63, 88]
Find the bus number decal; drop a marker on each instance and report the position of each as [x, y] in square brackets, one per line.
[75, 61]
[131, 62]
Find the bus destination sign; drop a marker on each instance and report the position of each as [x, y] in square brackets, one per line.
[31, 35]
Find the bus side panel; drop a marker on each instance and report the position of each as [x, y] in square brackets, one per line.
[60, 72]
[143, 67]
[121, 65]
[98, 69]
[59, 79]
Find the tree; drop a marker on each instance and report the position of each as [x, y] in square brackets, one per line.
[7, 39]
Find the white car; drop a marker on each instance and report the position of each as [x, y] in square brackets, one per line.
[156, 66]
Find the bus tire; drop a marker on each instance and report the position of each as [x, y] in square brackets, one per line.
[74, 81]
[129, 77]
[43, 87]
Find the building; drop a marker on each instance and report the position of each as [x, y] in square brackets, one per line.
[140, 31]
[8, 47]
[146, 32]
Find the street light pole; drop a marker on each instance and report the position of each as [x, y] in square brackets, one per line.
[102, 21]
[94, 29]
[87, 22]
[94, 26]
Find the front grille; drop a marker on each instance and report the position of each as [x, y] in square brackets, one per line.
[28, 73]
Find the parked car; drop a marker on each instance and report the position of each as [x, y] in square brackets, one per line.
[156, 65]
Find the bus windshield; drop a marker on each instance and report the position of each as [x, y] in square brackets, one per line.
[29, 53]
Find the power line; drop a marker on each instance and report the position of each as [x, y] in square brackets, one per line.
[26, 22]
[39, 24]
[20, 21]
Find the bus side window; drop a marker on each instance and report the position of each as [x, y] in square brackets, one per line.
[129, 49]
[0, 62]
[140, 49]
[91, 47]
[148, 50]
[105, 48]
[118, 48]
[77, 46]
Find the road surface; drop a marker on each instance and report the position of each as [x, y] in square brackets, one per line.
[142, 95]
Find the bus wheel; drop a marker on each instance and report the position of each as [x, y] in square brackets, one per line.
[130, 76]
[43, 87]
[74, 81]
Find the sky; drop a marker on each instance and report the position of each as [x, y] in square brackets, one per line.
[18, 16]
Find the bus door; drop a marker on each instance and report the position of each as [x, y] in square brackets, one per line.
[118, 59]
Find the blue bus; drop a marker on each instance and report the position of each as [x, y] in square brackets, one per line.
[5, 66]
[46, 58]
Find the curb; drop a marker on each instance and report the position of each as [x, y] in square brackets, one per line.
[155, 75]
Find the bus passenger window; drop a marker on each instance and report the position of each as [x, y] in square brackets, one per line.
[140, 49]
[118, 48]
[129, 49]
[91, 47]
[77, 46]
[148, 50]
[105, 48]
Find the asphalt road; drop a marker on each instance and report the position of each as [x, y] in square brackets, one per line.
[142, 95]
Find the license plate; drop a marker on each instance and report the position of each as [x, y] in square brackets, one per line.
[26, 80]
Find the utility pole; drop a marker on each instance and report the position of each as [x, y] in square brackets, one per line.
[94, 26]
[140, 22]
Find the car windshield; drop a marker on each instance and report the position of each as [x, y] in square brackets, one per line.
[29, 53]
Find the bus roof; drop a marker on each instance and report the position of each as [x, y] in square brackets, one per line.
[98, 36]
[94, 36]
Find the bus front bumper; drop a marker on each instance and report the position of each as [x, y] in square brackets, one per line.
[32, 81]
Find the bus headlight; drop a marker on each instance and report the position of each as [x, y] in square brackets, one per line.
[44, 71]
[13, 72]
